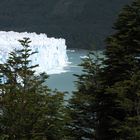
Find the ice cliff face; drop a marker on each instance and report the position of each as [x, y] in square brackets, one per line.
[51, 56]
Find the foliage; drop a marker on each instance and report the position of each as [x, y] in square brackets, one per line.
[106, 105]
[83, 106]
[29, 109]
[122, 67]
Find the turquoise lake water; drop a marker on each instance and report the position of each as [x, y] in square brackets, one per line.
[65, 81]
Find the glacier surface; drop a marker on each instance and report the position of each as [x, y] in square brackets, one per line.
[51, 57]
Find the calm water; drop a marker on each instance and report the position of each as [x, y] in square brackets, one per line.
[65, 81]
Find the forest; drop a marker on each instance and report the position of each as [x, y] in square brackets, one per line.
[105, 105]
[80, 22]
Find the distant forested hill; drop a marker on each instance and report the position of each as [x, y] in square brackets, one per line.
[80, 22]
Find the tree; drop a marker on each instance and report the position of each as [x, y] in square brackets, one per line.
[83, 105]
[128, 99]
[106, 105]
[123, 46]
[29, 109]
[121, 68]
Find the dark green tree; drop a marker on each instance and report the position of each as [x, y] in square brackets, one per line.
[83, 105]
[121, 68]
[28, 109]
[127, 99]
[106, 105]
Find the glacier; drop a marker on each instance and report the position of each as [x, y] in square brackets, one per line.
[52, 53]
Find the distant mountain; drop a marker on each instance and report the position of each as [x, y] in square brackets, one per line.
[80, 22]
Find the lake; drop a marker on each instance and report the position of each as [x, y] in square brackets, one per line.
[65, 81]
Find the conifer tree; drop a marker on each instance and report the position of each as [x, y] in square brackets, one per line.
[29, 109]
[128, 99]
[110, 110]
[121, 68]
[84, 105]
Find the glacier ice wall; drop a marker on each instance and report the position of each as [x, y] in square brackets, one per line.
[51, 56]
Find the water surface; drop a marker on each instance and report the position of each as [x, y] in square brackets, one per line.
[65, 81]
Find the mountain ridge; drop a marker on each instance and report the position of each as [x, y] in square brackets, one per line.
[81, 22]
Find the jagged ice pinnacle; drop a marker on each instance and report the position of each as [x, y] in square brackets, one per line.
[51, 56]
